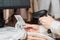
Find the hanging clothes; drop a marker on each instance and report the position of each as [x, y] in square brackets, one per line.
[36, 6]
[7, 13]
[45, 4]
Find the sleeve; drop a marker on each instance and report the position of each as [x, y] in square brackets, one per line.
[55, 27]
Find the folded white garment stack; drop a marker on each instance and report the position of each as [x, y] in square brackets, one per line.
[14, 33]
[10, 33]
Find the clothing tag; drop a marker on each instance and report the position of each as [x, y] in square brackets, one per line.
[20, 22]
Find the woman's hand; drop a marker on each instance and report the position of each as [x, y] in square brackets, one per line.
[32, 28]
[46, 21]
[35, 37]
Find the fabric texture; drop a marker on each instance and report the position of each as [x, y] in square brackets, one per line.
[53, 5]
[13, 33]
[14, 3]
[55, 27]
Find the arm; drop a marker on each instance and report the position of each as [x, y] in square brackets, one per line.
[55, 27]
[49, 23]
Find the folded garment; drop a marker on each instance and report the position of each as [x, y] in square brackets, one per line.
[39, 35]
[10, 33]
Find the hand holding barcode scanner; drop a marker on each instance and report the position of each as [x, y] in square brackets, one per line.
[41, 14]
[45, 19]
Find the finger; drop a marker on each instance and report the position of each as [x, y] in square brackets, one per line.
[32, 26]
[35, 38]
[42, 18]
[35, 35]
[43, 22]
[36, 27]
[49, 16]
[28, 39]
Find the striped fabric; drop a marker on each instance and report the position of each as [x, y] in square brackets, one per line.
[14, 3]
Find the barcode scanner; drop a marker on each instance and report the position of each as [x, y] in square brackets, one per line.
[39, 14]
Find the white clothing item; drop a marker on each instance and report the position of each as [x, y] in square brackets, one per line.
[35, 5]
[20, 22]
[55, 6]
[44, 32]
[55, 27]
[10, 33]
[43, 4]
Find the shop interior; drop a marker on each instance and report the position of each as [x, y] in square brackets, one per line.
[21, 19]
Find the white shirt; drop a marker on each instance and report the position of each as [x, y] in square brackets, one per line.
[55, 27]
[10, 33]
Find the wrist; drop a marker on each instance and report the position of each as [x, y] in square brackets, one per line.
[53, 23]
[48, 26]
